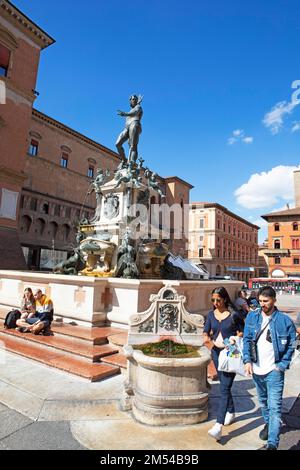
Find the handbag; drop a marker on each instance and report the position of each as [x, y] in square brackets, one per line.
[253, 345]
[232, 362]
[253, 351]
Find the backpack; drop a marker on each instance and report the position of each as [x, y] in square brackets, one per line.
[11, 319]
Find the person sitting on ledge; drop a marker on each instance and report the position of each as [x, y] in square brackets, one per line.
[27, 303]
[41, 319]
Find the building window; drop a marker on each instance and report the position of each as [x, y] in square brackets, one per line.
[33, 204]
[277, 260]
[201, 222]
[218, 223]
[4, 60]
[224, 227]
[276, 227]
[33, 148]
[45, 208]
[64, 160]
[296, 261]
[90, 172]
[295, 243]
[295, 226]
[25, 223]
[201, 253]
[68, 212]
[277, 244]
[57, 210]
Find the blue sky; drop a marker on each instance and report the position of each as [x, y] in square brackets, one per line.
[210, 71]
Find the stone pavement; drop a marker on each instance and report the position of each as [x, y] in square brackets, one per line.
[43, 408]
[289, 304]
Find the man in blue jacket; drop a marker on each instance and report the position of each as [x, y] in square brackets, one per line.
[269, 335]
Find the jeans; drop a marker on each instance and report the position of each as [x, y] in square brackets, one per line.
[269, 389]
[45, 317]
[226, 381]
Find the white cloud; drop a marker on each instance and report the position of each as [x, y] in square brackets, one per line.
[260, 222]
[274, 118]
[296, 126]
[231, 140]
[238, 132]
[238, 135]
[268, 188]
[247, 140]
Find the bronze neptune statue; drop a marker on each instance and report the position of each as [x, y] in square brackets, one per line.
[132, 129]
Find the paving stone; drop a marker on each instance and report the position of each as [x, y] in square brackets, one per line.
[3, 446]
[12, 421]
[55, 384]
[17, 399]
[289, 438]
[136, 436]
[2, 408]
[66, 410]
[43, 436]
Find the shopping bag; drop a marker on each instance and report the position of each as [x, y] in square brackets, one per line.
[231, 358]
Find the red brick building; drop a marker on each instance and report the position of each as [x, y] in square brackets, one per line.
[21, 42]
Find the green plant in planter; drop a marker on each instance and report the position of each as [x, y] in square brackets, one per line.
[168, 348]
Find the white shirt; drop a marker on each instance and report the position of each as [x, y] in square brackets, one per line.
[265, 351]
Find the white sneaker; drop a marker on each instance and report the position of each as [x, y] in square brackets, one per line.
[229, 418]
[216, 431]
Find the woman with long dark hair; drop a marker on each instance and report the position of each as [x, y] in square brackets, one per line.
[27, 303]
[221, 323]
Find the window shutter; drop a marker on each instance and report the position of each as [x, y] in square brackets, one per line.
[4, 56]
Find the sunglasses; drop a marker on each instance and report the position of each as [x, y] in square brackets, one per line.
[216, 300]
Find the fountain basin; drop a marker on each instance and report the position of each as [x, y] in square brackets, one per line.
[168, 391]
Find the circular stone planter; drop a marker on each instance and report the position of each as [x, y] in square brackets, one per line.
[170, 390]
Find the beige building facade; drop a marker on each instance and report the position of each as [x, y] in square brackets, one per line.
[226, 244]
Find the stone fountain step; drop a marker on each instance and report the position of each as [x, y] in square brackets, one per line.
[72, 348]
[58, 359]
[67, 344]
[118, 339]
[115, 359]
[94, 335]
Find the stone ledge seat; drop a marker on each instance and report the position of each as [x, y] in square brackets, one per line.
[84, 351]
